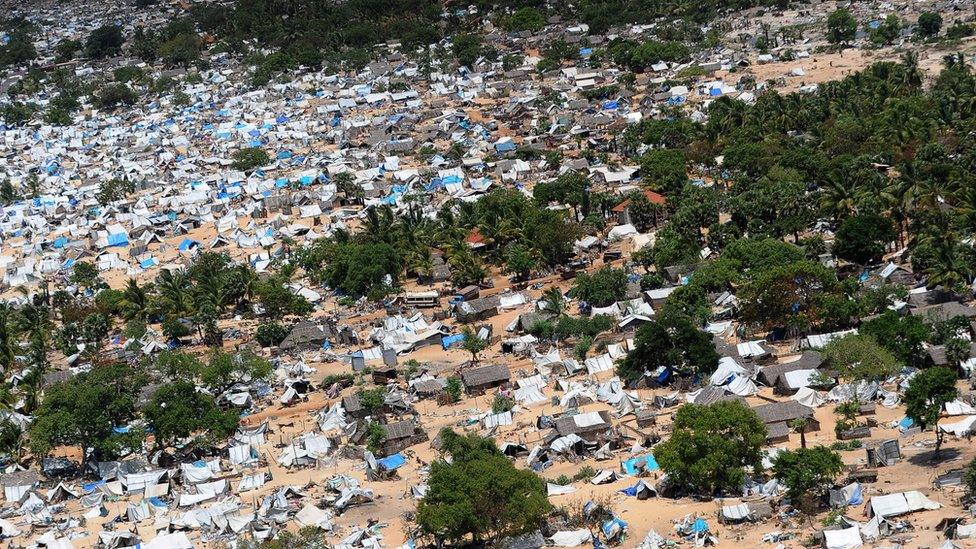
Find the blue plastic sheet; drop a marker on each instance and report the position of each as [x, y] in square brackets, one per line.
[391, 462]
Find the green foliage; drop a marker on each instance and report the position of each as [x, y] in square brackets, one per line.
[863, 238]
[278, 300]
[887, 31]
[466, 48]
[841, 26]
[250, 158]
[223, 370]
[788, 296]
[807, 472]
[928, 391]
[67, 48]
[104, 41]
[453, 388]
[673, 341]
[352, 267]
[479, 494]
[270, 334]
[903, 336]
[114, 95]
[970, 477]
[128, 74]
[521, 260]
[602, 288]
[640, 56]
[472, 343]
[177, 410]
[664, 170]
[929, 24]
[673, 248]
[375, 436]
[114, 189]
[85, 275]
[372, 400]
[501, 404]
[19, 50]
[83, 410]
[859, 357]
[16, 114]
[712, 446]
[525, 19]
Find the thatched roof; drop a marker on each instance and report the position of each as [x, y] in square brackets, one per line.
[484, 375]
[400, 429]
[782, 411]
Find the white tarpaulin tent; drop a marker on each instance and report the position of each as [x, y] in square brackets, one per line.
[848, 538]
[892, 505]
[570, 538]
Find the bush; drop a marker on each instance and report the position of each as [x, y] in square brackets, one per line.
[113, 95]
[453, 388]
[502, 404]
[104, 41]
[250, 158]
[270, 334]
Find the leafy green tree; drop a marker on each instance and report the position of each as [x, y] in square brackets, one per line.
[372, 400]
[466, 48]
[887, 31]
[454, 388]
[83, 411]
[525, 19]
[712, 446]
[863, 238]
[807, 472]
[375, 436]
[970, 477]
[86, 275]
[19, 49]
[270, 334]
[787, 296]
[927, 393]
[223, 370]
[472, 343]
[672, 248]
[114, 95]
[664, 170]
[670, 340]
[929, 24]
[903, 336]
[177, 410]
[479, 494]
[16, 113]
[104, 41]
[602, 288]
[859, 357]
[250, 158]
[841, 27]
[278, 300]
[521, 260]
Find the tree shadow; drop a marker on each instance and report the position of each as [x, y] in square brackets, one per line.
[928, 457]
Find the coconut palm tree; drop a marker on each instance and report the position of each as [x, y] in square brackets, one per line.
[555, 302]
[135, 301]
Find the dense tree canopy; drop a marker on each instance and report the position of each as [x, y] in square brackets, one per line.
[479, 494]
[711, 447]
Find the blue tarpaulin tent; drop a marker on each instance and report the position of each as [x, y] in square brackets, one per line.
[634, 465]
[118, 239]
[188, 244]
[447, 341]
[391, 462]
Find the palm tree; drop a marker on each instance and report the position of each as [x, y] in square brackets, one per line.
[7, 338]
[555, 302]
[799, 425]
[135, 301]
[174, 292]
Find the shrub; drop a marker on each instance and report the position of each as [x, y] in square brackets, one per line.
[270, 334]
